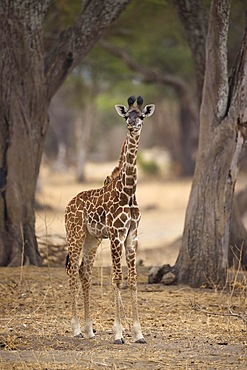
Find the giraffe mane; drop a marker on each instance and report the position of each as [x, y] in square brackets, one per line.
[117, 169]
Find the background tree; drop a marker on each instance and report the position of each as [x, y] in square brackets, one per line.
[30, 76]
[194, 18]
[203, 257]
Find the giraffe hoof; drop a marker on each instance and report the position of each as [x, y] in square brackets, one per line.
[78, 336]
[141, 340]
[119, 341]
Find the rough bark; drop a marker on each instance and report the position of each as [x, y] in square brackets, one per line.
[203, 258]
[23, 126]
[194, 19]
[28, 81]
[188, 120]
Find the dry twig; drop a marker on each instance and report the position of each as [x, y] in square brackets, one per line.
[196, 307]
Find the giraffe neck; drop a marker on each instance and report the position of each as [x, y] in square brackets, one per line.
[128, 171]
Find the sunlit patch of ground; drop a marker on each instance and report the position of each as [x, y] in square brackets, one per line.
[184, 328]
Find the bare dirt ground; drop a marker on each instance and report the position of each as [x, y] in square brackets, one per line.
[185, 328]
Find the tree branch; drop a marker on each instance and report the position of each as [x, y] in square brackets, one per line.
[75, 42]
[149, 74]
[196, 307]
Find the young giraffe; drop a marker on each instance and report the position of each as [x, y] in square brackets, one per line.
[109, 212]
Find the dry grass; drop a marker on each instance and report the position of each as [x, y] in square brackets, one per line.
[184, 328]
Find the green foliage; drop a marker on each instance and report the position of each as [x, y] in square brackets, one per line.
[150, 167]
[152, 33]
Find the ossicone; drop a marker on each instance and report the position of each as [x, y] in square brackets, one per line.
[131, 101]
[140, 102]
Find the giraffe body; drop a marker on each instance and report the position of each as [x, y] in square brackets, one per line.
[109, 212]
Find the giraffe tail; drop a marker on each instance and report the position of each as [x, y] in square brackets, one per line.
[67, 263]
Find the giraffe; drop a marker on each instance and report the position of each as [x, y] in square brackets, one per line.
[109, 212]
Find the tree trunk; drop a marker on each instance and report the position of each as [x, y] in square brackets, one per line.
[188, 132]
[29, 79]
[23, 126]
[194, 18]
[237, 256]
[203, 258]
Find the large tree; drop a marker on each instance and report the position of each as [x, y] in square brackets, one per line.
[203, 256]
[30, 76]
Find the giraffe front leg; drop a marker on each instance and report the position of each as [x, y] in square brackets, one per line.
[117, 326]
[138, 336]
[131, 248]
[117, 278]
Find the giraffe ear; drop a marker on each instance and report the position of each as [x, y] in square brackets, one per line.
[148, 110]
[121, 110]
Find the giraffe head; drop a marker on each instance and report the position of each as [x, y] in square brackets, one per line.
[135, 115]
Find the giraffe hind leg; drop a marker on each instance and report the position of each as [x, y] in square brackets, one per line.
[72, 267]
[85, 272]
